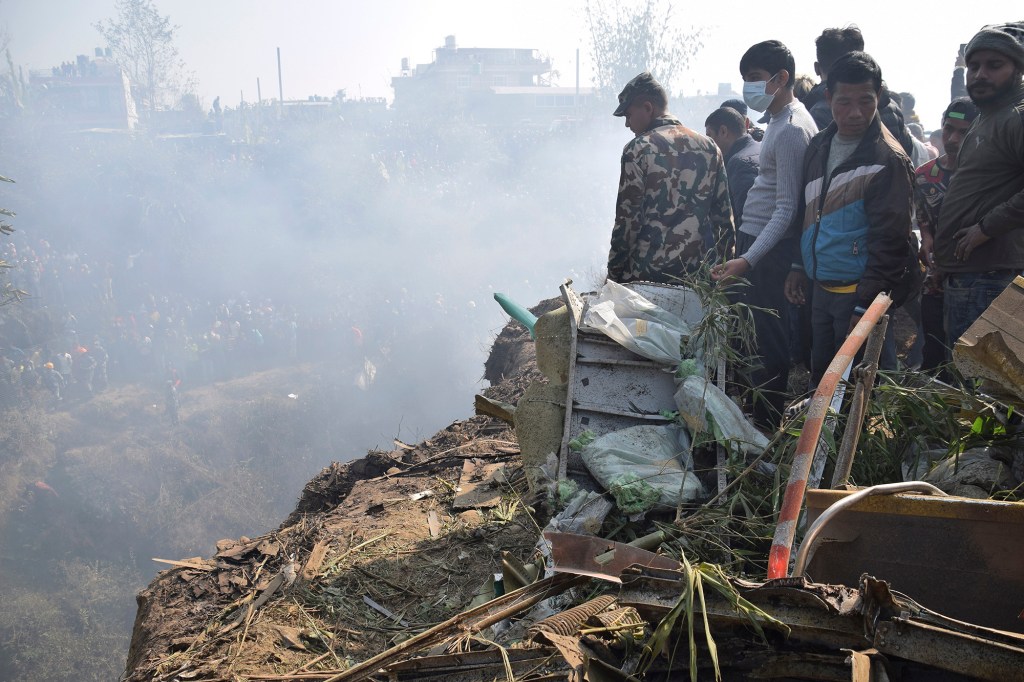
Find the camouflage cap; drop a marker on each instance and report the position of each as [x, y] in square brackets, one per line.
[642, 84]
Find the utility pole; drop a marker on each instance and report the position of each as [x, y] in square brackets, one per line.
[259, 107]
[576, 98]
[280, 86]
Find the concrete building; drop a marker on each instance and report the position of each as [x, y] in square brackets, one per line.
[490, 85]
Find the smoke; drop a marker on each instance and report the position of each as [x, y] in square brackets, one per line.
[363, 249]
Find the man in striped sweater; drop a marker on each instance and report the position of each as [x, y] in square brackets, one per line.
[763, 240]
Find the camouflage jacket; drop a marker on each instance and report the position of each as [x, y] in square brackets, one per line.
[673, 205]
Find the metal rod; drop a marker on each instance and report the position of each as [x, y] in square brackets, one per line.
[859, 404]
[803, 556]
[782, 544]
[575, 312]
[578, 407]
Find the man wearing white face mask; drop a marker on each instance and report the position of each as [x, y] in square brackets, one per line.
[764, 239]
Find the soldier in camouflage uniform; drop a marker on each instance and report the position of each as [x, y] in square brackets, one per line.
[673, 206]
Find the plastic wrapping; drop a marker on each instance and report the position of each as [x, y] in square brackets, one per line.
[706, 408]
[637, 324]
[633, 462]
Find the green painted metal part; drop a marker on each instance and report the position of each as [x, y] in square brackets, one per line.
[518, 312]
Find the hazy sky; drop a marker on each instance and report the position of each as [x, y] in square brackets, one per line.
[328, 45]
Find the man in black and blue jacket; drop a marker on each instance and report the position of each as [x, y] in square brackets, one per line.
[855, 215]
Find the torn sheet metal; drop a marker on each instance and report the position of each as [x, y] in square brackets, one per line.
[960, 556]
[976, 657]
[902, 627]
[818, 615]
[598, 558]
[611, 387]
[596, 670]
[387, 613]
[842, 618]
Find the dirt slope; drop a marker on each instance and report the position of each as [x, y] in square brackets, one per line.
[375, 558]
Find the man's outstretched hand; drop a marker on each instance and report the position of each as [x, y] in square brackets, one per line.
[737, 267]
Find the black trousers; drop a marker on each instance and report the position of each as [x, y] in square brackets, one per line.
[935, 344]
[769, 374]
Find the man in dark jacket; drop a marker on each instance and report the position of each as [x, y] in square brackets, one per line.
[979, 242]
[742, 152]
[855, 215]
[832, 44]
[741, 108]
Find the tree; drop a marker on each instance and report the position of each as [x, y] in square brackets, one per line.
[142, 43]
[8, 293]
[630, 38]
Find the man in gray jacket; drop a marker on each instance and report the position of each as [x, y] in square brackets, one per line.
[979, 242]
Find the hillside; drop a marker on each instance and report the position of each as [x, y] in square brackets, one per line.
[381, 528]
[93, 490]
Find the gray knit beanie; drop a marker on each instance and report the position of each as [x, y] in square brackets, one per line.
[1005, 38]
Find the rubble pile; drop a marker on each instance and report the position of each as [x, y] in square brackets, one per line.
[496, 550]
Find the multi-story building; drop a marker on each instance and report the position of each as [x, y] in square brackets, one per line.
[488, 84]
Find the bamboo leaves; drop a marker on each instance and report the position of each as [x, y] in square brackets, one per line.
[692, 598]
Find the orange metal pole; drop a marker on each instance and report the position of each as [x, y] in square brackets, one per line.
[782, 544]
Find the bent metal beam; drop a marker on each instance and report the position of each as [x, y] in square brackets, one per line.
[782, 544]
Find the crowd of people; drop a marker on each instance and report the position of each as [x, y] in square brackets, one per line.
[79, 335]
[819, 212]
[164, 340]
[150, 256]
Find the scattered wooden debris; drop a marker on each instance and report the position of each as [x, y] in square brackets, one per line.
[478, 485]
[433, 524]
[494, 408]
[195, 563]
[316, 558]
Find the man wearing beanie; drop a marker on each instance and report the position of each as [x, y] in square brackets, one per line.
[979, 241]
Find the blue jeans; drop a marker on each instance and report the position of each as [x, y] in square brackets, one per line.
[967, 295]
[830, 322]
